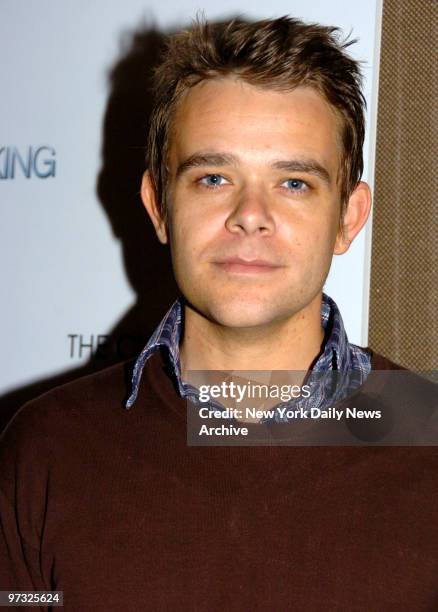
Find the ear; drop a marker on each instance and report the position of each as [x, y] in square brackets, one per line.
[149, 198]
[354, 218]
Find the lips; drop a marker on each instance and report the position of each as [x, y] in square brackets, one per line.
[246, 266]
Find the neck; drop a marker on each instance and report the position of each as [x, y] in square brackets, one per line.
[289, 344]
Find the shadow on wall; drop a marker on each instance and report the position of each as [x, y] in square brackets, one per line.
[147, 262]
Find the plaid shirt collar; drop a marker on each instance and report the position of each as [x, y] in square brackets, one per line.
[338, 354]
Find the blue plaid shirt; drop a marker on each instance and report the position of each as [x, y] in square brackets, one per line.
[351, 361]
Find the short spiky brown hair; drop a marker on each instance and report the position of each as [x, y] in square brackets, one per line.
[281, 54]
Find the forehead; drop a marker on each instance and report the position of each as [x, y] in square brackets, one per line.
[228, 114]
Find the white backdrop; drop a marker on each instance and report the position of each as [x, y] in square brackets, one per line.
[62, 272]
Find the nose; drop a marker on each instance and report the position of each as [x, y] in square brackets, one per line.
[250, 214]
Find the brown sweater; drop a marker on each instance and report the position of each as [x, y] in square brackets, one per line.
[113, 508]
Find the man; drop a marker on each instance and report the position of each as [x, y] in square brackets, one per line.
[254, 181]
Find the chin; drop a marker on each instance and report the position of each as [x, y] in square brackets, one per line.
[242, 315]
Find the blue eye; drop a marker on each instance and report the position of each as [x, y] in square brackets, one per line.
[295, 185]
[212, 180]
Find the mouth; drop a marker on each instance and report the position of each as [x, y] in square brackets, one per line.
[237, 265]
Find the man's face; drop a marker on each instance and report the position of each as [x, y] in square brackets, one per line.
[252, 177]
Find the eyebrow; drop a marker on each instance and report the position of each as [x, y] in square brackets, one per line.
[310, 166]
[206, 159]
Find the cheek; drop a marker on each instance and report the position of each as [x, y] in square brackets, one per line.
[196, 226]
[324, 225]
[308, 233]
[190, 235]
[312, 243]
